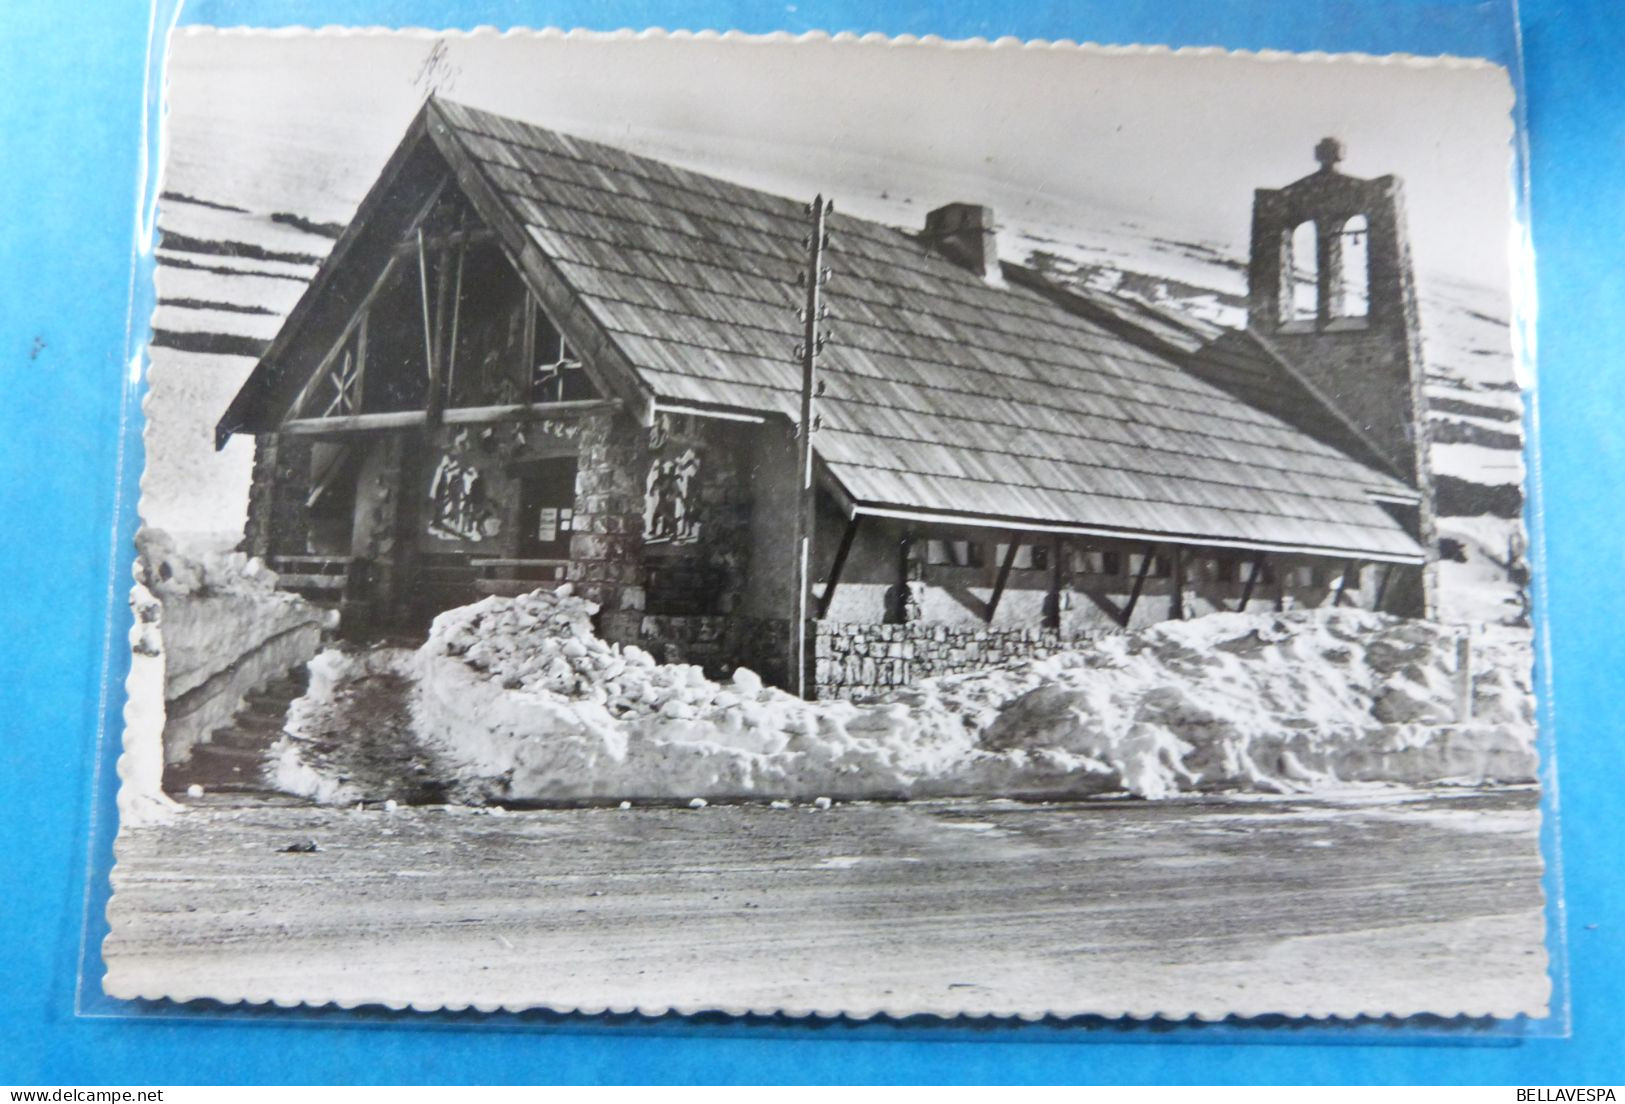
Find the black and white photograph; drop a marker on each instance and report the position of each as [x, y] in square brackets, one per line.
[843, 526]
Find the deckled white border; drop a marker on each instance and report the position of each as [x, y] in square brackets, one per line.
[143, 712]
[1454, 61]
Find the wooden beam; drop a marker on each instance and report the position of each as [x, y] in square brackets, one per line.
[351, 423]
[1252, 581]
[828, 484]
[407, 419]
[900, 614]
[527, 349]
[1052, 605]
[435, 401]
[1343, 583]
[451, 340]
[479, 235]
[361, 362]
[319, 485]
[305, 581]
[1382, 587]
[845, 547]
[527, 412]
[428, 326]
[1033, 525]
[1004, 575]
[721, 413]
[1139, 583]
[357, 319]
[1176, 593]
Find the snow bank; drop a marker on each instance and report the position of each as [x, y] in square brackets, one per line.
[141, 797]
[520, 698]
[224, 629]
[351, 737]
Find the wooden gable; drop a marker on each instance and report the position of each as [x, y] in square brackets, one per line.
[422, 306]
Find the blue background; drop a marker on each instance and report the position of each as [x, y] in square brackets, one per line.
[70, 118]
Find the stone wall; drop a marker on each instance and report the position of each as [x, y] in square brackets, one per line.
[606, 549]
[856, 660]
[674, 591]
[719, 644]
[702, 572]
[278, 486]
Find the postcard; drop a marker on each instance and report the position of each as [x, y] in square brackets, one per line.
[830, 525]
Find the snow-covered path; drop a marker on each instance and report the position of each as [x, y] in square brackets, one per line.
[1379, 901]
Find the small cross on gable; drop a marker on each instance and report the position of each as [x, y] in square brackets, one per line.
[344, 380]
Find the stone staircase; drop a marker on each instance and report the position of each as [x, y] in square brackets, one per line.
[232, 762]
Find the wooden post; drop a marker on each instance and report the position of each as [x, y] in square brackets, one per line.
[451, 338]
[361, 361]
[435, 403]
[1252, 581]
[1343, 583]
[428, 324]
[904, 548]
[1382, 587]
[527, 351]
[1176, 596]
[1052, 619]
[840, 563]
[1139, 583]
[1004, 575]
[811, 344]
[1464, 678]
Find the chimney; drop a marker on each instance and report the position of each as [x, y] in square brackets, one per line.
[963, 232]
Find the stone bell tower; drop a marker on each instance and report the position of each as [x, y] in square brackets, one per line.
[1330, 291]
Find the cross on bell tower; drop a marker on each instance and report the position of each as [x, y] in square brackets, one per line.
[1328, 151]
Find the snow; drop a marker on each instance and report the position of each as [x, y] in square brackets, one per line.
[1478, 463]
[516, 700]
[1485, 589]
[141, 798]
[329, 750]
[244, 290]
[1403, 902]
[221, 629]
[176, 319]
[259, 231]
[187, 485]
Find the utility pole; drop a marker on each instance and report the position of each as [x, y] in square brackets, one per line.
[812, 345]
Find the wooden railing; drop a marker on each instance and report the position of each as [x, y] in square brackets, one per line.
[511, 577]
[320, 579]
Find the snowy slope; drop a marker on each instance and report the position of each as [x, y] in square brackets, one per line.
[1475, 406]
[226, 279]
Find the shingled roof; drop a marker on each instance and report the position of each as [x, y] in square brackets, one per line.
[947, 395]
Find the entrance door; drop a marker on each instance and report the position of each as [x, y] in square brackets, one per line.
[547, 499]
